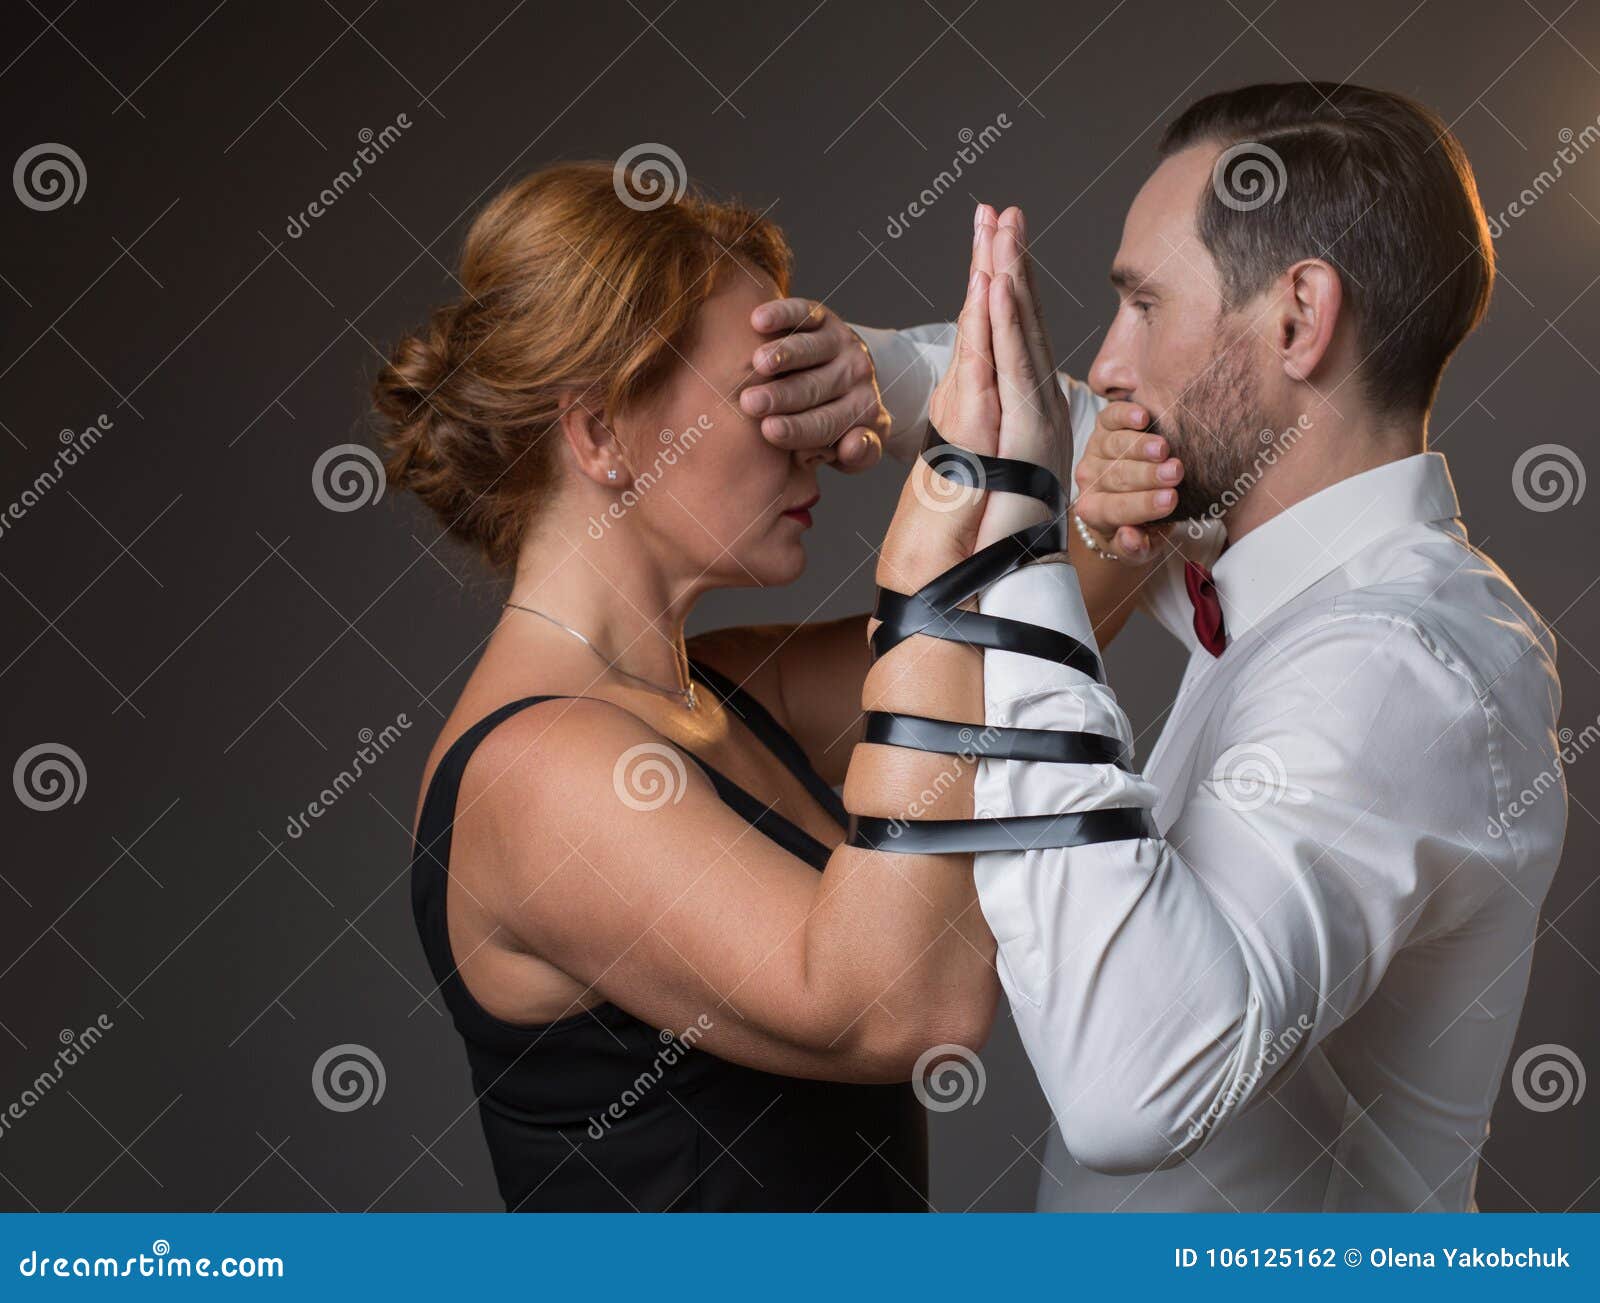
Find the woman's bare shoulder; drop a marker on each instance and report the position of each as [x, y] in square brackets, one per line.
[550, 801]
[551, 755]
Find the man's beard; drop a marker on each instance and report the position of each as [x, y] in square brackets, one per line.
[1214, 429]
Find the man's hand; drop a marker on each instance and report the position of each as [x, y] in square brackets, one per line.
[1127, 484]
[824, 391]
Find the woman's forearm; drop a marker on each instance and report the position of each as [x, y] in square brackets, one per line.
[896, 944]
[903, 932]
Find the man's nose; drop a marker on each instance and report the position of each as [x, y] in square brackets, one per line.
[1113, 375]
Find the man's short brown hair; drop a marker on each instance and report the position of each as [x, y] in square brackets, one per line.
[1372, 183]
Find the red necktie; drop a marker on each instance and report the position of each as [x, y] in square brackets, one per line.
[1207, 609]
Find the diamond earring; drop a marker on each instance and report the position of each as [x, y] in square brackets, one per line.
[611, 474]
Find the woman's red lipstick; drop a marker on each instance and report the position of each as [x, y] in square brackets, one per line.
[802, 513]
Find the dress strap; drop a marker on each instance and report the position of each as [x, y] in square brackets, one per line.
[438, 817]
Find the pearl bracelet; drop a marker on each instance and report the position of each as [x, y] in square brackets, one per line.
[1088, 540]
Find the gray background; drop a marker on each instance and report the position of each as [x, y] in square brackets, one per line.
[182, 612]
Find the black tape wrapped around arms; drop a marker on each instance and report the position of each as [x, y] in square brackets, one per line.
[1017, 832]
[921, 733]
[933, 610]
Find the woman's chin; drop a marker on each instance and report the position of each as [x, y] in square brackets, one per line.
[778, 564]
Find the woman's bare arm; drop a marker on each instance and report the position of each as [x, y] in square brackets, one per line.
[616, 861]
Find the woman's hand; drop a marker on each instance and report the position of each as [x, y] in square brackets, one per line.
[965, 405]
[939, 516]
[1035, 424]
[1127, 485]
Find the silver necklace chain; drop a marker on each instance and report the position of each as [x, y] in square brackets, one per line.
[685, 695]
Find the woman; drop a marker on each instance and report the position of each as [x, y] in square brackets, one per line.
[677, 989]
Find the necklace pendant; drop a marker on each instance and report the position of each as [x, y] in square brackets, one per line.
[690, 698]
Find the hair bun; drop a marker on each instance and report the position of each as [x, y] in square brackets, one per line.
[404, 399]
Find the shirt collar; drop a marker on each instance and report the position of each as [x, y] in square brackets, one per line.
[1283, 557]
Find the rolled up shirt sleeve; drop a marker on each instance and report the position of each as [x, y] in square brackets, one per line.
[1160, 985]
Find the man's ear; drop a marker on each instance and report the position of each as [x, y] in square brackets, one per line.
[594, 448]
[1309, 315]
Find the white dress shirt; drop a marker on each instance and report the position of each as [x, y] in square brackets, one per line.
[1302, 996]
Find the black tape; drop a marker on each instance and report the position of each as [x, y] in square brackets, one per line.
[1019, 832]
[934, 611]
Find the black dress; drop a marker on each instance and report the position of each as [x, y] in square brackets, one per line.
[602, 1112]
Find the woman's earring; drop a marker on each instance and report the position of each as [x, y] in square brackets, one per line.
[611, 474]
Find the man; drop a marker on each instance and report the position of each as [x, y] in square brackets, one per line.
[1301, 995]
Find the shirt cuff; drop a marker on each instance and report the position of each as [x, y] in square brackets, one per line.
[908, 370]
